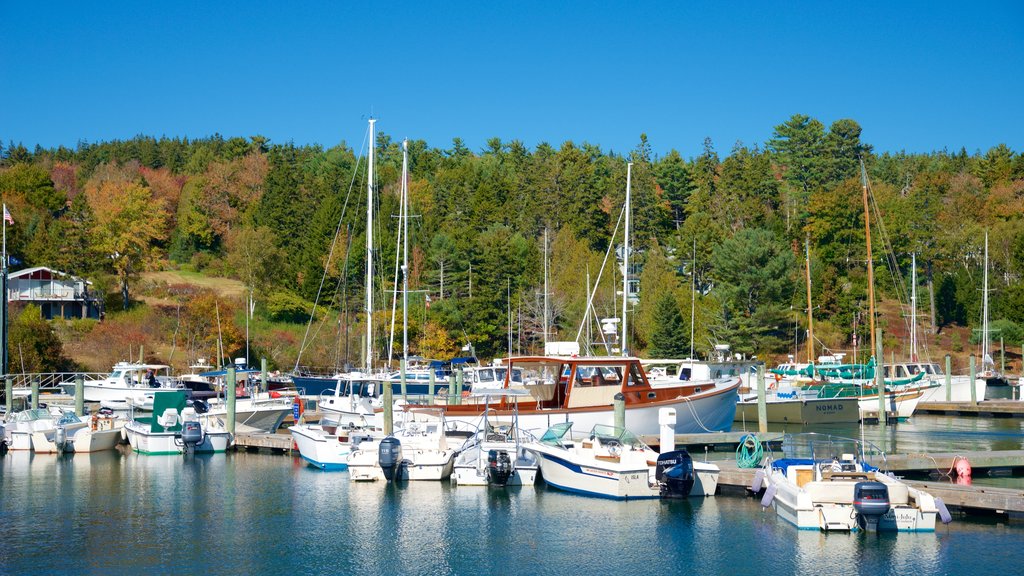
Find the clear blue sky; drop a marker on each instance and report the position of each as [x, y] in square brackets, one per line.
[917, 76]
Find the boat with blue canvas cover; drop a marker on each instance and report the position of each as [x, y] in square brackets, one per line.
[826, 483]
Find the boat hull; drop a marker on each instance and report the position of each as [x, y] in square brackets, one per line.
[960, 390]
[150, 443]
[802, 411]
[712, 411]
[319, 449]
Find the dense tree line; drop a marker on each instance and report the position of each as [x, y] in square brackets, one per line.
[725, 233]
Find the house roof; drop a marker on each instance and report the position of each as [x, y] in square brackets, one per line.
[31, 271]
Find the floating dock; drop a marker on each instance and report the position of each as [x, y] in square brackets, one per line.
[985, 408]
[253, 441]
[971, 499]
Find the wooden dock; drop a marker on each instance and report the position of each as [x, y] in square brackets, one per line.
[254, 441]
[971, 499]
[985, 408]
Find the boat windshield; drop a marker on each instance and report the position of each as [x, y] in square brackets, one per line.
[553, 436]
[33, 414]
[611, 434]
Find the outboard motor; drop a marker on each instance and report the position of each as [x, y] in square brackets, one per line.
[60, 439]
[674, 473]
[499, 467]
[389, 457]
[191, 435]
[871, 501]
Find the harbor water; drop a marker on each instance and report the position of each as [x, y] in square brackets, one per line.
[248, 513]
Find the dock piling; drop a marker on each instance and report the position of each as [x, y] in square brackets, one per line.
[263, 375]
[35, 392]
[762, 405]
[9, 395]
[974, 376]
[229, 393]
[949, 378]
[432, 384]
[402, 367]
[80, 394]
[619, 407]
[880, 384]
[389, 409]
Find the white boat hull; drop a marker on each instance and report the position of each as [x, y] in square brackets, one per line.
[325, 451]
[79, 439]
[960, 390]
[470, 467]
[799, 507]
[705, 413]
[144, 441]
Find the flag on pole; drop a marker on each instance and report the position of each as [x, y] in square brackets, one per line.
[7, 216]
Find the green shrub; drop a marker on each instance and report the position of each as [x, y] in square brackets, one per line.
[287, 307]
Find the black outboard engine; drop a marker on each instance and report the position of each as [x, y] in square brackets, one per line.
[191, 435]
[499, 467]
[674, 473]
[389, 457]
[871, 501]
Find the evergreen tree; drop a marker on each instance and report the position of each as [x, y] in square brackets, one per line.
[671, 337]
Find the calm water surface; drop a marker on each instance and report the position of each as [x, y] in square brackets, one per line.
[113, 513]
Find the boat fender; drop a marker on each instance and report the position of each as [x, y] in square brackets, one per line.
[963, 469]
[769, 495]
[758, 479]
[944, 514]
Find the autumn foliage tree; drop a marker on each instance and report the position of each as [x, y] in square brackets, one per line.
[129, 223]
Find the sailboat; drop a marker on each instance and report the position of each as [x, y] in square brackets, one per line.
[795, 404]
[959, 385]
[858, 380]
[582, 389]
[347, 399]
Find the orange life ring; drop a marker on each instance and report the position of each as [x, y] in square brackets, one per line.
[301, 404]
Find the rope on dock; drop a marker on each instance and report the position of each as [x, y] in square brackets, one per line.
[749, 452]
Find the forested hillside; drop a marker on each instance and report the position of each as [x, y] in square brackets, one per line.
[268, 214]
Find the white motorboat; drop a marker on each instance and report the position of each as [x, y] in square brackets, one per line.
[174, 428]
[825, 483]
[27, 427]
[127, 378]
[262, 411]
[324, 448]
[612, 462]
[496, 455]
[101, 431]
[420, 450]
[352, 402]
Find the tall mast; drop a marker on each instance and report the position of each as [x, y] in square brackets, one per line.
[625, 259]
[368, 350]
[810, 309]
[913, 307]
[405, 250]
[545, 290]
[693, 294]
[984, 311]
[871, 268]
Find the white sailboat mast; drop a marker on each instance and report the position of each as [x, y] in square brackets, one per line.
[625, 259]
[546, 290]
[405, 250]
[368, 351]
[984, 312]
[913, 307]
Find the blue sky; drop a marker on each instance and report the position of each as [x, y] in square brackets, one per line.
[917, 76]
